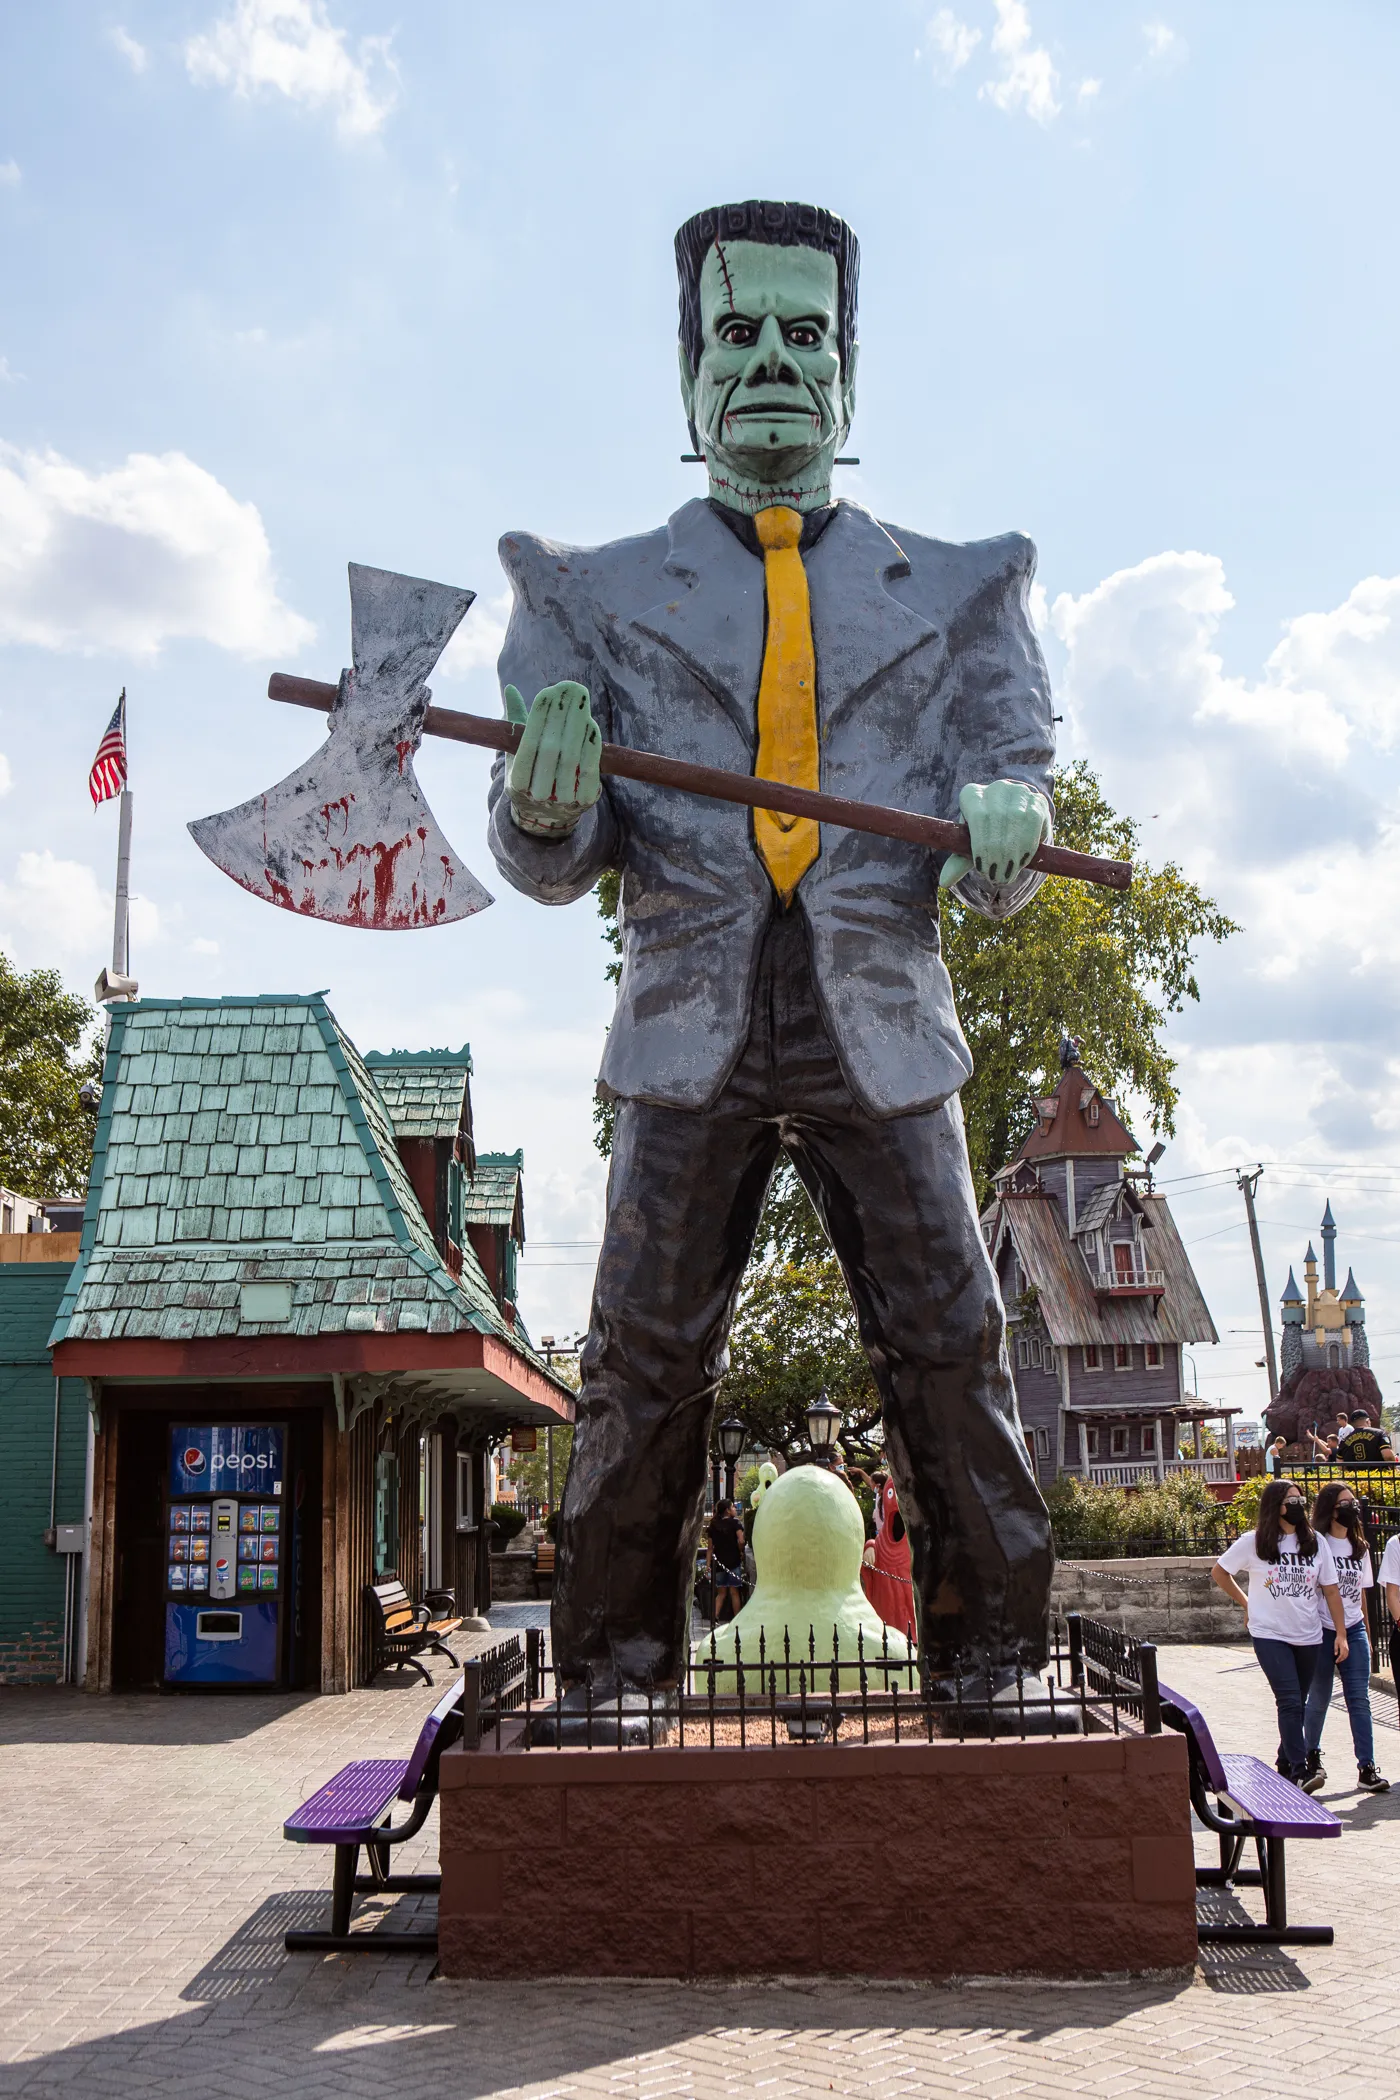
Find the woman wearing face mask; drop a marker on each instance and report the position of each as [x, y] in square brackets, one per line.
[1292, 1586]
[1336, 1517]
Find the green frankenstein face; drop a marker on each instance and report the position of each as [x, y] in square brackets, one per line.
[770, 402]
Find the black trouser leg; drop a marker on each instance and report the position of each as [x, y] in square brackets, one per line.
[896, 1197]
[685, 1191]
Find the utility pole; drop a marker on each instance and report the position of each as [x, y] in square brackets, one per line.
[1247, 1184]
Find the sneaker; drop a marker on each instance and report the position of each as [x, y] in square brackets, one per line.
[1369, 1776]
[1314, 1777]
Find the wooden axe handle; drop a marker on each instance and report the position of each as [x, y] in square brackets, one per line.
[936, 832]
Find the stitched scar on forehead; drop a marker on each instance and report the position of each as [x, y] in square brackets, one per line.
[724, 272]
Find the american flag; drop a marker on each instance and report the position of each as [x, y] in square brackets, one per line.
[108, 775]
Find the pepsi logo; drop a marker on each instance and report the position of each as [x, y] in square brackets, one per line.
[193, 1459]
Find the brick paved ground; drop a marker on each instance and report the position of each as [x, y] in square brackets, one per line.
[140, 1949]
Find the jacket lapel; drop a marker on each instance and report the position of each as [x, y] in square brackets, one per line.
[860, 629]
[712, 619]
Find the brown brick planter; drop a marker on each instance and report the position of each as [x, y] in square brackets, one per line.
[912, 1860]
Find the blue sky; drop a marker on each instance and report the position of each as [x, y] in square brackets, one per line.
[295, 282]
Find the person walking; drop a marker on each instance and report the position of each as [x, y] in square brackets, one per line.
[1336, 1517]
[1390, 1590]
[1288, 1569]
[726, 1536]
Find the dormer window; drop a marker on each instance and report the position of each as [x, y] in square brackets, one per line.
[1091, 1113]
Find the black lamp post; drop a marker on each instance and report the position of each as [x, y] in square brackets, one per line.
[823, 1423]
[730, 1436]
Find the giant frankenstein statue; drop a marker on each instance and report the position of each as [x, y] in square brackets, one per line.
[782, 988]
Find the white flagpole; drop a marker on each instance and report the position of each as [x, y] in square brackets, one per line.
[121, 931]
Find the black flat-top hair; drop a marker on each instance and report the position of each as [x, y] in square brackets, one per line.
[774, 226]
[1267, 1528]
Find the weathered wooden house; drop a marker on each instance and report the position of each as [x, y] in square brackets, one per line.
[276, 1296]
[1101, 1300]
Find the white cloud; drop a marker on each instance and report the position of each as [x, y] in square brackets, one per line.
[9, 173]
[8, 375]
[7, 778]
[1275, 791]
[126, 46]
[1164, 46]
[58, 911]
[952, 41]
[1143, 662]
[1088, 89]
[1028, 77]
[291, 48]
[201, 946]
[477, 642]
[151, 551]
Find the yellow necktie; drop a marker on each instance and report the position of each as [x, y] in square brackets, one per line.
[787, 702]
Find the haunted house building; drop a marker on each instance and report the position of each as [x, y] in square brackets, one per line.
[1101, 1300]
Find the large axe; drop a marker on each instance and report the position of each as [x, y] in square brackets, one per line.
[349, 837]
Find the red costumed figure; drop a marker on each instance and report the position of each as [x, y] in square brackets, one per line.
[887, 1576]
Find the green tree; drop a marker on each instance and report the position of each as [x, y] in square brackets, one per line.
[46, 1052]
[1105, 966]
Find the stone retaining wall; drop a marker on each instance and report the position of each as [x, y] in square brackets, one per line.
[923, 1860]
[1154, 1600]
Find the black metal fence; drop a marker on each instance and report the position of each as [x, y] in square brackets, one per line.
[1097, 1681]
[1212, 1537]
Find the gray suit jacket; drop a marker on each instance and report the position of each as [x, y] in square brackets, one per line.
[928, 676]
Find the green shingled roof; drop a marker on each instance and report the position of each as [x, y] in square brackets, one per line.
[494, 1195]
[425, 1091]
[243, 1140]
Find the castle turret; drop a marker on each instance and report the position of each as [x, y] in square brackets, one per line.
[1329, 1249]
[1310, 1279]
[1294, 1310]
[1353, 1304]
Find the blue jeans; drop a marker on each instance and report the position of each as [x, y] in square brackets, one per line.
[1356, 1686]
[1290, 1673]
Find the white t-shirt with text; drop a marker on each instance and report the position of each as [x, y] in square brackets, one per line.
[1353, 1576]
[1284, 1594]
[1390, 1562]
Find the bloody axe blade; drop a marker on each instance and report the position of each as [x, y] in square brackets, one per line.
[620, 759]
[348, 836]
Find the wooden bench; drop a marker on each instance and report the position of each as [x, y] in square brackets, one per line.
[403, 1630]
[1239, 1798]
[543, 1570]
[355, 1808]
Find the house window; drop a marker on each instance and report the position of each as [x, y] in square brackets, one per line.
[1149, 1439]
[1029, 1352]
[1122, 1356]
[1091, 1115]
[1091, 1439]
[466, 1500]
[1152, 1353]
[1091, 1356]
[1042, 1443]
[1118, 1443]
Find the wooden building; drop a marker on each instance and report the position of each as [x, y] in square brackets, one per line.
[1101, 1300]
[274, 1272]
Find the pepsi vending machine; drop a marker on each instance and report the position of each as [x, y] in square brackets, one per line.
[225, 1560]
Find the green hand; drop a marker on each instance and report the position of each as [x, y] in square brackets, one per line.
[1007, 822]
[555, 776]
